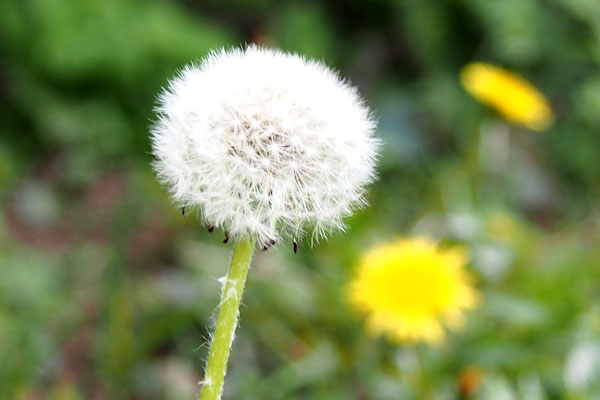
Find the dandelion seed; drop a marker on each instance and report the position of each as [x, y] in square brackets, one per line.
[411, 290]
[268, 245]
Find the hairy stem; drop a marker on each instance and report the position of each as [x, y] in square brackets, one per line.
[231, 295]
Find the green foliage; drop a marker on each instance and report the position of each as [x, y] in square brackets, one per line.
[106, 292]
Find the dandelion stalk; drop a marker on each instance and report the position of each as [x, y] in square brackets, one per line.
[231, 296]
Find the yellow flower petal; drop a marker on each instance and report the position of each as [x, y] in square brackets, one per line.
[512, 96]
[411, 290]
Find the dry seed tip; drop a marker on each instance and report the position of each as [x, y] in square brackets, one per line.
[295, 246]
[183, 211]
[211, 229]
[226, 237]
[269, 244]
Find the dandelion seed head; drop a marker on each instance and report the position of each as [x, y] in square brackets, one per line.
[264, 144]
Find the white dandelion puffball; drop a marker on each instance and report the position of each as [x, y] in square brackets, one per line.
[264, 144]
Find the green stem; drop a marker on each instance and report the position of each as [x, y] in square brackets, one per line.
[231, 296]
[423, 385]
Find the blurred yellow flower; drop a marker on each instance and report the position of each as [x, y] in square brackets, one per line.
[512, 96]
[411, 289]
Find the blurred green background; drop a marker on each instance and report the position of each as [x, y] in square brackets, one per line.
[107, 293]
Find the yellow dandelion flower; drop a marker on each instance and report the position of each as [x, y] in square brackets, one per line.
[411, 289]
[512, 96]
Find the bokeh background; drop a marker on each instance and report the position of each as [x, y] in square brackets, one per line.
[107, 293]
